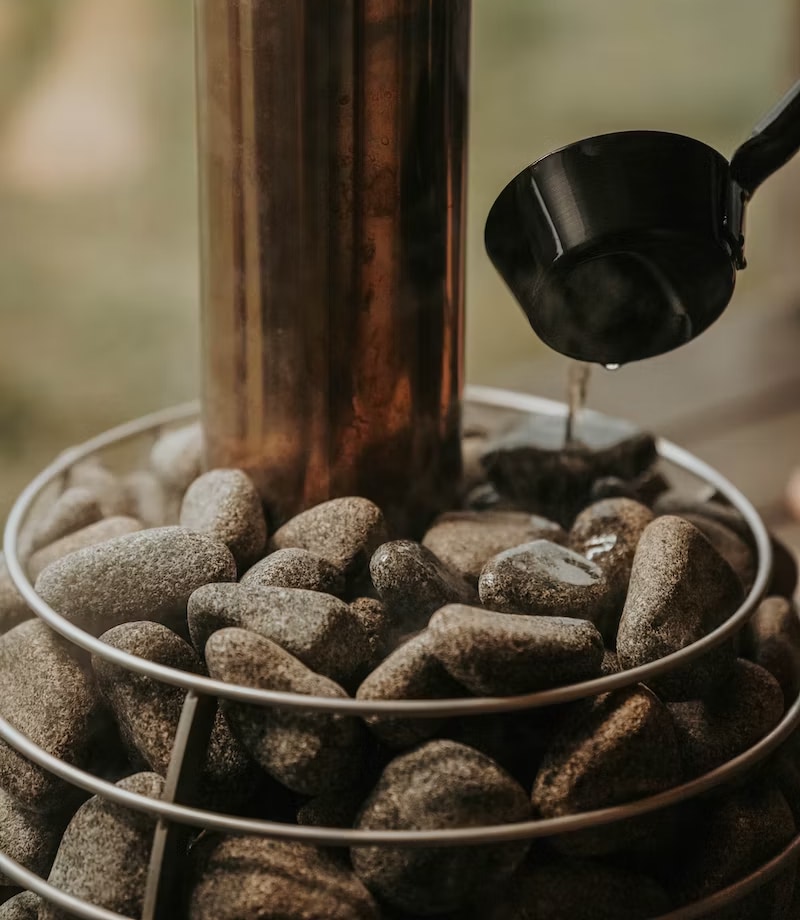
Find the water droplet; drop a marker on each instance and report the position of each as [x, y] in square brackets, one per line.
[612, 367]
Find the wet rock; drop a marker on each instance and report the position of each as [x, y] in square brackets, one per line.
[177, 457]
[29, 838]
[733, 837]
[713, 731]
[93, 535]
[544, 579]
[24, 906]
[310, 752]
[466, 540]
[500, 654]
[106, 487]
[150, 501]
[53, 701]
[73, 510]
[104, 855]
[411, 672]
[13, 609]
[319, 629]
[378, 626]
[440, 785]
[680, 590]
[771, 638]
[413, 583]
[615, 748]
[147, 575]
[148, 711]
[579, 889]
[345, 531]
[226, 505]
[251, 878]
[296, 568]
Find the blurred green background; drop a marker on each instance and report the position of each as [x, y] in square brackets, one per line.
[98, 264]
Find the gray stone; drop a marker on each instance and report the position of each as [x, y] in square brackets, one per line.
[578, 889]
[296, 568]
[414, 583]
[544, 579]
[615, 748]
[150, 501]
[378, 625]
[610, 663]
[440, 785]
[53, 701]
[466, 540]
[99, 532]
[732, 837]
[713, 731]
[147, 575]
[103, 484]
[333, 809]
[411, 672]
[692, 508]
[680, 590]
[319, 629]
[345, 531]
[310, 752]
[733, 548]
[771, 638]
[502, 654]
[28, 837]
[13, 609]
[177, 457]
[24, 906]
[148, 711]
[73, 510]
[252, 878]
[226, 505]
[104, 855]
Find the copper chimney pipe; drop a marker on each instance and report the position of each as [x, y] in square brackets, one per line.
[332, 166]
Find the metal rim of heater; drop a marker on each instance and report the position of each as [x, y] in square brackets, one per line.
[171, 814]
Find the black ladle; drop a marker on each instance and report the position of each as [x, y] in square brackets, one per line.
[626, 245]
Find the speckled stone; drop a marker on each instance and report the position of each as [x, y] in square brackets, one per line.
[104, 855]
[73, 510]
[226, 505]
[148, 712]
[440, 785]
[733, 549]
[378, 625]
[711, 732]
[150, 501]
[578, 889]
[24, 906]
[691, 508]
[771, 638]
[544, 579]
[103, 484]
[309, 752]
[345, 531]
[29, 838]
[251, 878]
[615, 748]
[333, 809]
[413, 583]
[93, 535]
[732, 837]
[466, 540]
[13, 609]
[177, 457]
[785, 576]
[148, 575]
[45, 694]
[319, 629]
[502, 654]
[296, 568]
[680, 590]
[411, 672]
[610, 663]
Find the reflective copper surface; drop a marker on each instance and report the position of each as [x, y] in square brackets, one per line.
[332, 163]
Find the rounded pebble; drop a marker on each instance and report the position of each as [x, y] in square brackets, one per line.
[310, 752]
[13, 609]
[319, 629]
[147, 575]
[73, 510]
[466, 540]
[105, 852]
[94, 534]
[680, 590]
[177, 457]
[733, 549]
[501, 654]
[150, 501]
[27, 837]
[378, 625]
[226, 505]
[102, 483]
[296, 568]
[771, 638]
[440, 785]
[23, 906]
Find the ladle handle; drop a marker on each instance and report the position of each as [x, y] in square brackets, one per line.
[774, 141]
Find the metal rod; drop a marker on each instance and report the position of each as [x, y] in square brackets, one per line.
[332, 162]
